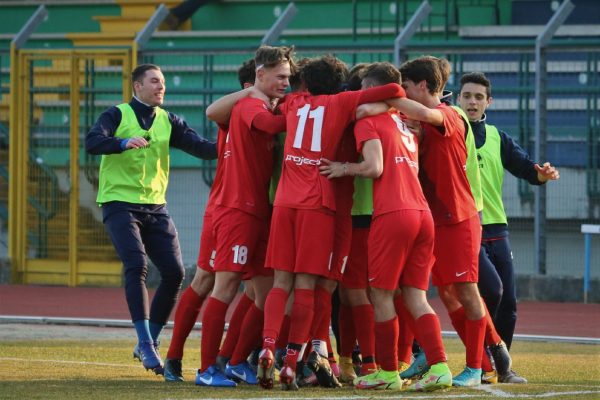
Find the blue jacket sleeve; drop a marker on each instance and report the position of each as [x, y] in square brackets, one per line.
[101, 138]
[185, 138]
[516, 161]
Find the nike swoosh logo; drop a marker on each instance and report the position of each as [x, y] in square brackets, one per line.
[206, 381]
[241, 376]
[371, 279]
[460, 273]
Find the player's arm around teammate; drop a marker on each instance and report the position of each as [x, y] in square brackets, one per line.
[242, 212]
[443, 158]
[193, 297]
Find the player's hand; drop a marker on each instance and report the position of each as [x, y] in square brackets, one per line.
[413, 126]
[137, 142]
[547, 172]
[254, 93]
[332, 169]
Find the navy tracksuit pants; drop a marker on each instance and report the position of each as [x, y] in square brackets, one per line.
[497, 285]
[139, 232]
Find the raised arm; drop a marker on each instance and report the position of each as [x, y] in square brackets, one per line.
[220, 110]
[370, 109]
[370, 167]
[417, 111]
[379, 93]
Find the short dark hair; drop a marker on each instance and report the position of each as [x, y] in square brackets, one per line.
[247, 72]
[269, 56]
[478, 78]
[354, 81]
[324, 75]
[434, 71]
[137, 75]
[296, 77]
[381, 73]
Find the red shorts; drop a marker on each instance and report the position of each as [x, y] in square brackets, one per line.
[241, 242]
[341, 245]
[457, 252]
[301, 241]
[401, 249]
[356, 273]
[208, 251]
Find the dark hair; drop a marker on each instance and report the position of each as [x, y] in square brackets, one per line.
[247, 72]
[354, 81]
[269, 57]
[324, 75]
[478, 78]
[296, 78]
[434, 71]
[137, 75]
[381, 73]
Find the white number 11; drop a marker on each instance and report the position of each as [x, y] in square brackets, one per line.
[317, 115]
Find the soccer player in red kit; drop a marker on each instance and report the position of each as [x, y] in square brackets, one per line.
[192, 298]
[442, 160]
[242, 211]
[400, 244]
[356, 318]
[302, 229]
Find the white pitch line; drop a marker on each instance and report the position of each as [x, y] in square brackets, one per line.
[66, 362]
[493, 390]
[123, 323]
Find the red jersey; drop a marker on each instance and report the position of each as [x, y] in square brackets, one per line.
[443, 174]
[217, 180]
[344, 186]
[315, 126]
[398, 187]
[248, 159]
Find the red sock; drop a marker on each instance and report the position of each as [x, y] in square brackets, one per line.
[386, 334]
[250, 334]
[185, 317]
[274, 311]
[303, 313]
[364, 323]
[320, 326]
[213, 324]
[284, 334]
[291, 355]
[458, 319]
[491, 335]
[406, 330]
[475, 331]
[235, 326]
[347, 332]
[429, 335]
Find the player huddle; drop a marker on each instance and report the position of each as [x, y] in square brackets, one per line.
[420, 218]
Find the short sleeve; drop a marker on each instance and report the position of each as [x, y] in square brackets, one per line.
[365, 130]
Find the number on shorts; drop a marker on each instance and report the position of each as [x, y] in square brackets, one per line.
[317, 115]
[240, 254]
[211, 262]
